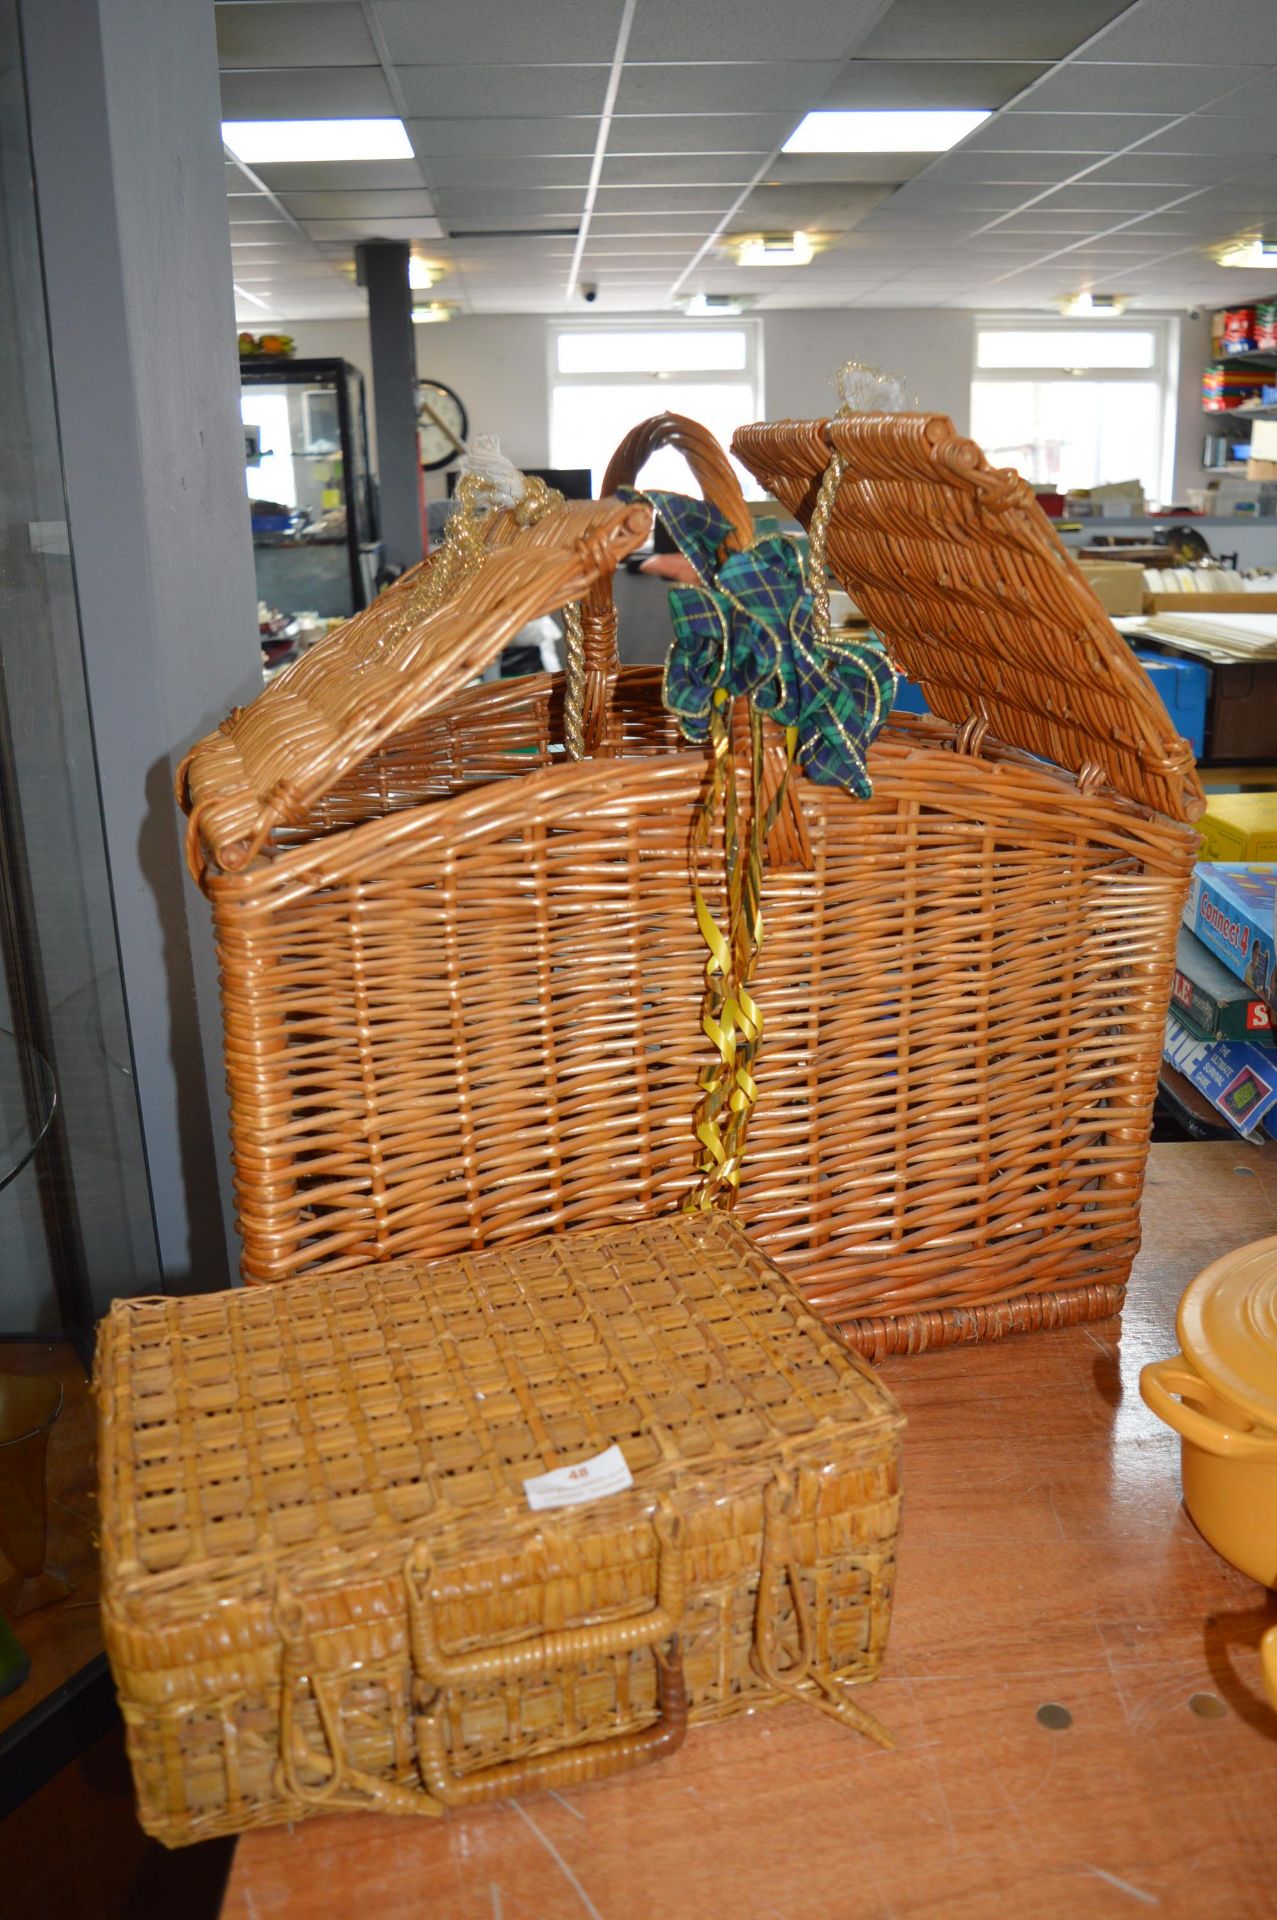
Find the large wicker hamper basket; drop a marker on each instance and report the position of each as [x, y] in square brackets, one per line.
[462, 973]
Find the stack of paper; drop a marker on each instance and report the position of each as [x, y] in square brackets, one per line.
[1218, 636]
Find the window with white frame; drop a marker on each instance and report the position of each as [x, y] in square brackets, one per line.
[604, 379]
[1078, 404]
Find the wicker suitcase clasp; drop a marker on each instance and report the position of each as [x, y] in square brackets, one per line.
[779, 1569]
[657, 1627]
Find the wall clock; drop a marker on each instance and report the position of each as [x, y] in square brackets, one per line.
[442, 424]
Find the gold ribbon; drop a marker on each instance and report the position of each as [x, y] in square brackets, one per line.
[731, 1018]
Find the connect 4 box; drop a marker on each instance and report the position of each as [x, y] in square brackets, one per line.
[1231, 910]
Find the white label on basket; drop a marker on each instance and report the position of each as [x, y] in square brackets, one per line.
[573, 1486]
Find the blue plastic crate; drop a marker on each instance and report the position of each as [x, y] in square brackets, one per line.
[909, 698]
[1184, 686]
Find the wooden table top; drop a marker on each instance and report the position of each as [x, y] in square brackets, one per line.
[1045, 1559]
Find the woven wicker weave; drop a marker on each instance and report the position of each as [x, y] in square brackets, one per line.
[322, 1582]
[462, 976]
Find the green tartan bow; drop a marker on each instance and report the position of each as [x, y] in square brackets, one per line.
[750, 629]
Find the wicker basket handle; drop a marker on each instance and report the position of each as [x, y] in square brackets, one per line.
[716, 478]
[543, 1653]
[328, 1779]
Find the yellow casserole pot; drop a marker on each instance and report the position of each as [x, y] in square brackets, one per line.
[1219, 1393]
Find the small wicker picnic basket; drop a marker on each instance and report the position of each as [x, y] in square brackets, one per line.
[462, 974]
[324, 1585]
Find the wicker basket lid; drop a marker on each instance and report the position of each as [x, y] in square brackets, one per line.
[384, 670]
[956, 565]
[354, 1412]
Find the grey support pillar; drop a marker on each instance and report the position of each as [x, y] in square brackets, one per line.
[383, 269]
[129, 173]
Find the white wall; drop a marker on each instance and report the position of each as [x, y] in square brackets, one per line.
[497, 363]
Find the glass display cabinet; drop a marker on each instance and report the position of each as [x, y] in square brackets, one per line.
[306, 470]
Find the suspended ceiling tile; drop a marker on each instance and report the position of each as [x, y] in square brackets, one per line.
[338, 176]
[1177, 169]
[1257, 98]
[771, 209]
[759, 133]
[665, 199]
[986, 29]
[1097, 194]
[357, 206]
[880, 84]
[512, 138]
[1217, 134]
[1023, 132]
[1188, 32]
[489, 32]
[1148, 88]
[1018, 169]
[739, 86]
[494, 170]
[564, 203]
[307, 93]
[715, 29]
[601, 247]
[294, 35]
[422, 228]
[500, 226]
[657, 227]
[489, 92]
[678, 170]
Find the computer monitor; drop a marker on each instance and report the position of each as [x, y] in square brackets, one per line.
[574, 483]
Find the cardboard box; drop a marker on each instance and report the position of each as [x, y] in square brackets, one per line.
[1239, 1080]
[1261, 469]
[1230, 909]
[1240, 827]
[1117, 584]
[1211, 1002]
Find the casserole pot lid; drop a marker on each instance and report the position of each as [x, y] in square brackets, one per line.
[1227, 1323]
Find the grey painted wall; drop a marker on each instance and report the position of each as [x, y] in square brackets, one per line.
[129, 172]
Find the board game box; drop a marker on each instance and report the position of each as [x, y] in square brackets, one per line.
[1230, 908]
[1213, 1002]
[1239, 1080]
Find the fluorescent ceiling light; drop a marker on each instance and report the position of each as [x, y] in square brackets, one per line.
[420, 272]
[1250, 253]
[775, 250]
[432, 311]
[921, 131]
[275, 142]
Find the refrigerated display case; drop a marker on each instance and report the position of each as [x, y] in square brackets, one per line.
[315, 543]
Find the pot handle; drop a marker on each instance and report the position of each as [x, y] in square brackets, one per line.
[1162, 1380]
[1268, 1654]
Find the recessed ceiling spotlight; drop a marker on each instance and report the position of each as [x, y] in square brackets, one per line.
[432, 311]
[1250, 253]
[1092, 306]
[774, 250]
[914, 131]
[280, 142]
[706, 305]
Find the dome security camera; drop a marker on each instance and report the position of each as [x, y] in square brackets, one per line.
[589, 293]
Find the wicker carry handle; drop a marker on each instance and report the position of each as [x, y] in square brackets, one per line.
[716, 478]
[343, 1785]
